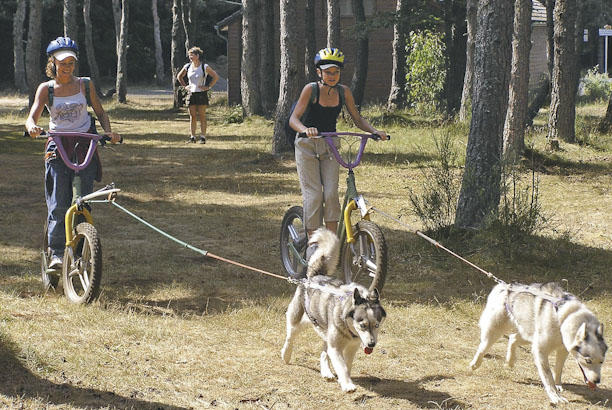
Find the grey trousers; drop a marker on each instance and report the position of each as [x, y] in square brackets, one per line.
[318, 172]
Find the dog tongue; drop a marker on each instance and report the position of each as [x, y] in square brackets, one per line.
[591, 385]
[368, 350]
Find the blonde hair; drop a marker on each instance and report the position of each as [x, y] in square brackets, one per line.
[197, 51]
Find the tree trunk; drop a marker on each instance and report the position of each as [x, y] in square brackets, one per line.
[267, 71]
[310, 49]
[539, 99]
[116, 5]
[187, 12]
[32, 57]
[122, 55]
[561, 122]
[550, 34]
[94, 73]
[397, 95]
[468, 79]
[455, 40]
[177, 50]
[514, 128]
[289, 88]
[159, 60]
[71, 28]
[333, 23]
[606, 123]
[360, 74]
[480, 188]
[249, 67]
[19, 75]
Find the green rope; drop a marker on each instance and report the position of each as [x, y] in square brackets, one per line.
[185, 244]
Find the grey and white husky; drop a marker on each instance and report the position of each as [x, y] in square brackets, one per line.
[549, 319]
[344, 316]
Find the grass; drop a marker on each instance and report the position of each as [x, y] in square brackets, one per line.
[176, 330]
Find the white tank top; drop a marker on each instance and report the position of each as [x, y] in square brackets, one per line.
[196, 76]
[69, 113]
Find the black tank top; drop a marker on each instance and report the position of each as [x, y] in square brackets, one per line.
[322, 118]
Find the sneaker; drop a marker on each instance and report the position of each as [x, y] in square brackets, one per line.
[202, 139]
[56, 263]
[191, 139]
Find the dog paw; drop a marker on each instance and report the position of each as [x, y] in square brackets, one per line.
[559, 388]
[328, 375]
[556, 399]
[286, 354]
[349, 388]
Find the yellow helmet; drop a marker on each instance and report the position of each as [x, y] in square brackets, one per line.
[329, 56]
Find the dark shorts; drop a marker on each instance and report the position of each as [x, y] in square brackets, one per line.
[198, 98]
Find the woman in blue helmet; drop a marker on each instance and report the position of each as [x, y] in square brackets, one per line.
[317, 168]
[68, 112]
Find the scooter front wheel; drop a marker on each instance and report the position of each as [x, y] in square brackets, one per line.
[365, 261]
[82, 272]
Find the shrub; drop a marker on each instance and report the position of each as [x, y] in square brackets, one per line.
[596, 86]
[425, 71]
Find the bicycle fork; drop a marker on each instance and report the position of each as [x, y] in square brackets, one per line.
[75, 210]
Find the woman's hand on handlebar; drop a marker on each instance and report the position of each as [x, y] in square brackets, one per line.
[383, 135]
[311, 132]
[114, 137]
[35, 131]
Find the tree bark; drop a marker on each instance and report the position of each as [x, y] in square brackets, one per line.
[455, 41]
[33, 47]
[71, 28]
[360, 74]
[187, 12]
[333, 23]
[606, 123]
[397, 95]
[550, 34]
[267, 72]
[289, 88]
[177, 50]
[310, 49]
[116, 5]
[94, 73]
[121, 85]
[561, 122]
[159, 60]
[514, 128]
[480, 187]
[249, 67]
[19, 72]
[468, 79]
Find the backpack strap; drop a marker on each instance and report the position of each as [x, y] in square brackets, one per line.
[314, 93]
[50, 88]
[341, 94]
[87, 81]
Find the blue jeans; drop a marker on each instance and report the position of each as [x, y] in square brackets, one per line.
[58, 193]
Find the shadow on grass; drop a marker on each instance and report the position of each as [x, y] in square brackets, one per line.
[412, 391]
[18, 383]
[552, 163]
[599, 396]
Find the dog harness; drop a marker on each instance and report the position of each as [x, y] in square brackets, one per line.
[334, 292]
[519, 288]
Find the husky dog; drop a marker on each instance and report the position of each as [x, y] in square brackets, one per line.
[549, 319]
[345, 316]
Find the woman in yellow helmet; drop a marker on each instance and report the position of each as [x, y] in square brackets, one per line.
[317, 169]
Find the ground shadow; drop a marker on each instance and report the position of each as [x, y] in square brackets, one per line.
[19, 383]
[412, 391]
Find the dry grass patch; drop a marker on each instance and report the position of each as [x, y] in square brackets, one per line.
[176, 330]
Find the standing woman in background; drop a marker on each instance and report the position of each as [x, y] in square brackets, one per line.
[197, 73]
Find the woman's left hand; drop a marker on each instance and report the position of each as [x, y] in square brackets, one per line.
[382, 135]
[115, 137]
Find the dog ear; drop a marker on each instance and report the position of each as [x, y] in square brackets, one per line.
[581, 334]
[599, 331]
[357, 297]
[374, 296]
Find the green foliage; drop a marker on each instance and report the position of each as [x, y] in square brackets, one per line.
[596, 86]
[436, 204]
[425, 72]
[235, 115]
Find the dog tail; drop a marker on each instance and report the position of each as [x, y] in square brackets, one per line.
[325, 258]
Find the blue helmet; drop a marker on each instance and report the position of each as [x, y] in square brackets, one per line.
[62, 43]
